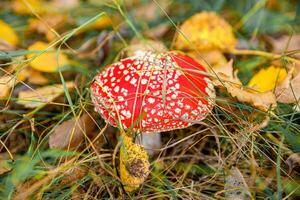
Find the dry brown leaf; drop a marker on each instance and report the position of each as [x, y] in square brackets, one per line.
[65, 4]
[73, 175]
[292, 161]
[226, 70]
[214, 58]
[150, 11]
[158, 31]
[229, 80]
[71, 133]
[286, 43]
[88, 48]
[5, 46]
[42, 95]
[236, 186]
[262, 101]
[78, 194]
[6, 83]
[289, 89]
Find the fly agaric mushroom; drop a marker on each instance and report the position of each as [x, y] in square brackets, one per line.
[152, 92]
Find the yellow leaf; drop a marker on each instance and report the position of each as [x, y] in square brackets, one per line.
[266, 79]
[6, 83]
[101, 23]
[8, 34]
[134, 164]
[41, 96]
[26, 7]
[205, 31]
[46, 61]
[47, 25]
[33, 76]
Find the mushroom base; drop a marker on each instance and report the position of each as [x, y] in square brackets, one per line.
[134, 164]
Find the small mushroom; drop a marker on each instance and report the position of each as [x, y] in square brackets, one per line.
[153, 92]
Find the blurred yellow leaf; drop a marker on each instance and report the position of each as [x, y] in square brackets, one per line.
[41, 96]
[8, 34]
[6, 83]
[47, 25]
[205, 31]
[134, 164]
[46, 61]
[101, 23]
[267, 79]
[26, 7]
[33, 76]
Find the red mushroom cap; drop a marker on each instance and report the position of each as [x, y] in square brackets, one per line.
[153, 92]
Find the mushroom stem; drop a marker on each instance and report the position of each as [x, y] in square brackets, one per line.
[150, 141]
[134, 163]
